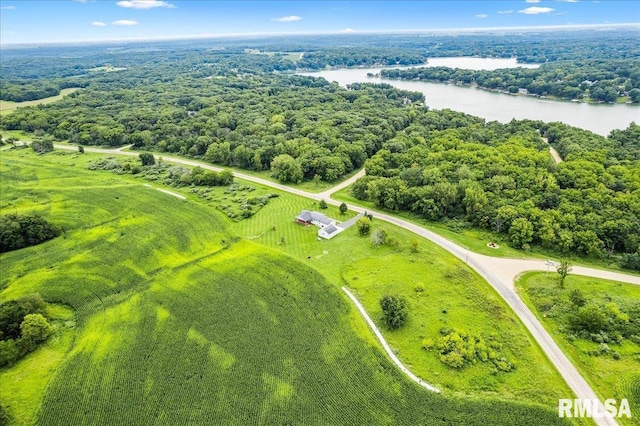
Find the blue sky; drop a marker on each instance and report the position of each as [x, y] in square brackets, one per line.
[51, 21]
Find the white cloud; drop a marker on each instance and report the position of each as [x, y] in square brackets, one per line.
[348, 31]
[568, 1]
[144, 4]
[532, 1]
[481, 15]
[535, 10]
[125, 22]
[505, 12]
[98, 24]
[7, 7]
[291, 18]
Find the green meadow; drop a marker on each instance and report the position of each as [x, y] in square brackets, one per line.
[610, 375]
[453, 297]
[167, 312]
[7, 107]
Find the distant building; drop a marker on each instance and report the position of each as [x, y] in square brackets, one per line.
[523, 91]
[329, 228]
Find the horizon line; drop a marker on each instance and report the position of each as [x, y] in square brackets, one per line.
[345, 32]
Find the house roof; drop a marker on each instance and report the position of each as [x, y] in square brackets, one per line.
[309, 216]
[330, 229]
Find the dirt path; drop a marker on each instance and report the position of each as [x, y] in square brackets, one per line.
[386, 347]
[554, 153]
[498, 272]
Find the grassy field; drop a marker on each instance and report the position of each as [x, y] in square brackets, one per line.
[470, 302]
[177, 321]
[609, 377]
[6, 107]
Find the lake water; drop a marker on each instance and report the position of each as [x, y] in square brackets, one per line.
[600, 118]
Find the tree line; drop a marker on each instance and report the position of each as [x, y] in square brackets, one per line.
[593, 80]
[250, 121]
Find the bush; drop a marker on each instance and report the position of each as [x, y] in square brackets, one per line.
[9, 352]
[394, 311]
[630, 261]
[427, 344]
[459, 349]
[364, 226]
[379, 237]
[147, 159]
[577, 298]
[34, 329]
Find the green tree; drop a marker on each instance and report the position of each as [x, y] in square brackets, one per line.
[394, 311]
[286, 169]
[364, 225]
[34, 329]
[81, 149]
[147, 159]
[521, 233]
[323, 204]
[563, 268]
[343, 208]
[43, 145]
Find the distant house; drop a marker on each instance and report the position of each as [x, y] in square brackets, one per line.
[329, 232]
[307, 217]
[523, 91]
[329, 228]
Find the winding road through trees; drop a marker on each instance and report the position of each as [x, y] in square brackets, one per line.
[499, 272]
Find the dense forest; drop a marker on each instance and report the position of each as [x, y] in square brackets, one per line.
[240, 105]
[243, 121]
[595, 80]
[448, 165]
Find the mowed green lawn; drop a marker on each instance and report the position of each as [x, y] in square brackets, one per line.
[609, 377]
[6, 107]
[180, 322]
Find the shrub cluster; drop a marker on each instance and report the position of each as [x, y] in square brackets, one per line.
[22, 327]
[19, 231]
[458, 349]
